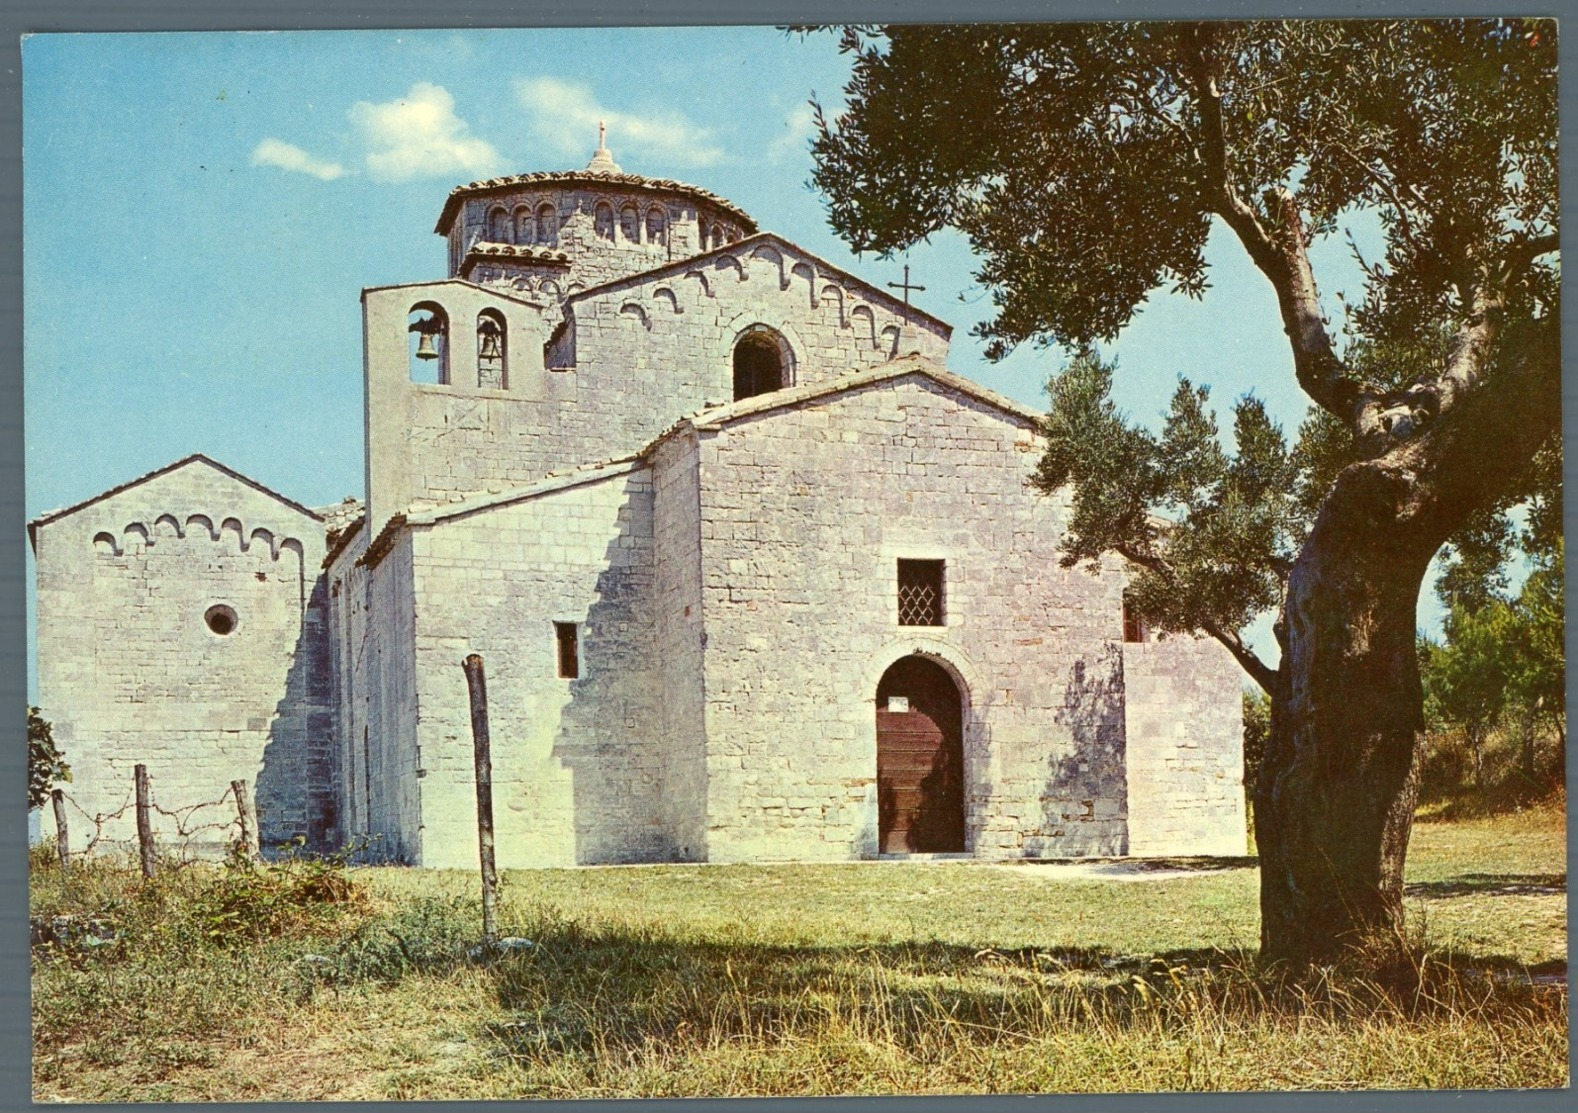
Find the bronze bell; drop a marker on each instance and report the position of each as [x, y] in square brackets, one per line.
[425, 348]
[490, 343]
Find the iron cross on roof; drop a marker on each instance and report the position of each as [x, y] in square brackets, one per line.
[906, 287]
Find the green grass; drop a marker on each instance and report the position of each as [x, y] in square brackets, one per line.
[841, 979]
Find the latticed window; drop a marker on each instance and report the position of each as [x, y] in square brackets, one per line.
[920, 593]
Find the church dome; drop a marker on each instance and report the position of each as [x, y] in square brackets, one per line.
[562, 230]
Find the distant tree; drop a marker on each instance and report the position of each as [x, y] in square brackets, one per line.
[1257, 728]
[46, 766]
[1087, 164]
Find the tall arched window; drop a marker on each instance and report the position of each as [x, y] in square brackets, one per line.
[492, 351]
[717, 235]
[630, 224]
[498, 226]
[428, 328]
[547, 225]
[603, 221]
[657, 225]
[524, 233]
[763, 362]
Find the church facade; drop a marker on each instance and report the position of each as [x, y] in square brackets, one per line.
[753, 575]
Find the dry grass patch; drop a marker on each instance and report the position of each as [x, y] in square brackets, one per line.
[859, 979]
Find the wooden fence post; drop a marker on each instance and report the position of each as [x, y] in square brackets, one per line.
[62, 839]
[249, 848]
[144, 820]
[477, 686]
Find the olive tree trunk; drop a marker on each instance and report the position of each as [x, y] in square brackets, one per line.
[1335, 796]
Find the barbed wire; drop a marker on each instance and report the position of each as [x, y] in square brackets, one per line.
[180, 841]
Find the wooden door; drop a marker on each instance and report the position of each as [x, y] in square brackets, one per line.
[920, 760]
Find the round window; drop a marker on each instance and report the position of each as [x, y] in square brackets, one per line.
[221, 619]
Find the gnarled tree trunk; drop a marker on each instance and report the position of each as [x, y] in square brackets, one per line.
[1337, 786]
[1335, 797]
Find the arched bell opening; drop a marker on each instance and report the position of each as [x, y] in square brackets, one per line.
[427, 328]
[920, 759]
[763, 362]
[492, 351]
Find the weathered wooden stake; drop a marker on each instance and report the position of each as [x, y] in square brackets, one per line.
[249, 847]
[144, 820]
[62, 839]
[477, 685]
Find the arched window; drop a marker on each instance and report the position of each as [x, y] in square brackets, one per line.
[524, 233]
[717, 235]
[498, 226]
[630, 224]
[603, 221]
[428, 327]
[657, 225]
[547, 225]
[763, 362]
[492, 351]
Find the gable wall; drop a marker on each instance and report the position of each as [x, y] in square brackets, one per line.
[804, 514]
[129, 671]
[577, 771]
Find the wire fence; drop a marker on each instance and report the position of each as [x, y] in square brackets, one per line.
[191, 832]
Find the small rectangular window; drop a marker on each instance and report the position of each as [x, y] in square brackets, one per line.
[567, 639]
[921, 593]
[1133, 625]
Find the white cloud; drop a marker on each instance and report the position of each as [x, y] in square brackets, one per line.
[799, 126]
[565, 116]
[419, 135]
[288, 156]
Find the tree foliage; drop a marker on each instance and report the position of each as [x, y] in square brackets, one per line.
[1086, 164]
[46, 766]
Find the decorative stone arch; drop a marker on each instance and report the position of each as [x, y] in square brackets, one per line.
[498, 225]
[547, 225]
[630, 222]
[657, 224]
[603, 219]
[779, 339]
[525, 230]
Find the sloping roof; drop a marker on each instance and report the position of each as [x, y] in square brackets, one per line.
[688, 262]
[593, 179]
[196, 457]
[913, 364]
[563, 481]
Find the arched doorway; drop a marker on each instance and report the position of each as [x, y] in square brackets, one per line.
[920, 759]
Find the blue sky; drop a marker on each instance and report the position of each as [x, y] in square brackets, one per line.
[201, 212]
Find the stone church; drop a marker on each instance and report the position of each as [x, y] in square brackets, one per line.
[754, 576]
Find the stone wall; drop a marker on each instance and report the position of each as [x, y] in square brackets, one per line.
[130, 670]
[804, 514]
[644, 353]
[577, 769]
[374, 635]
[679, 641]
[1186, 754]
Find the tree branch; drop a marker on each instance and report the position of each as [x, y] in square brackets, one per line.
[1280, 254]
[1260, 672]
